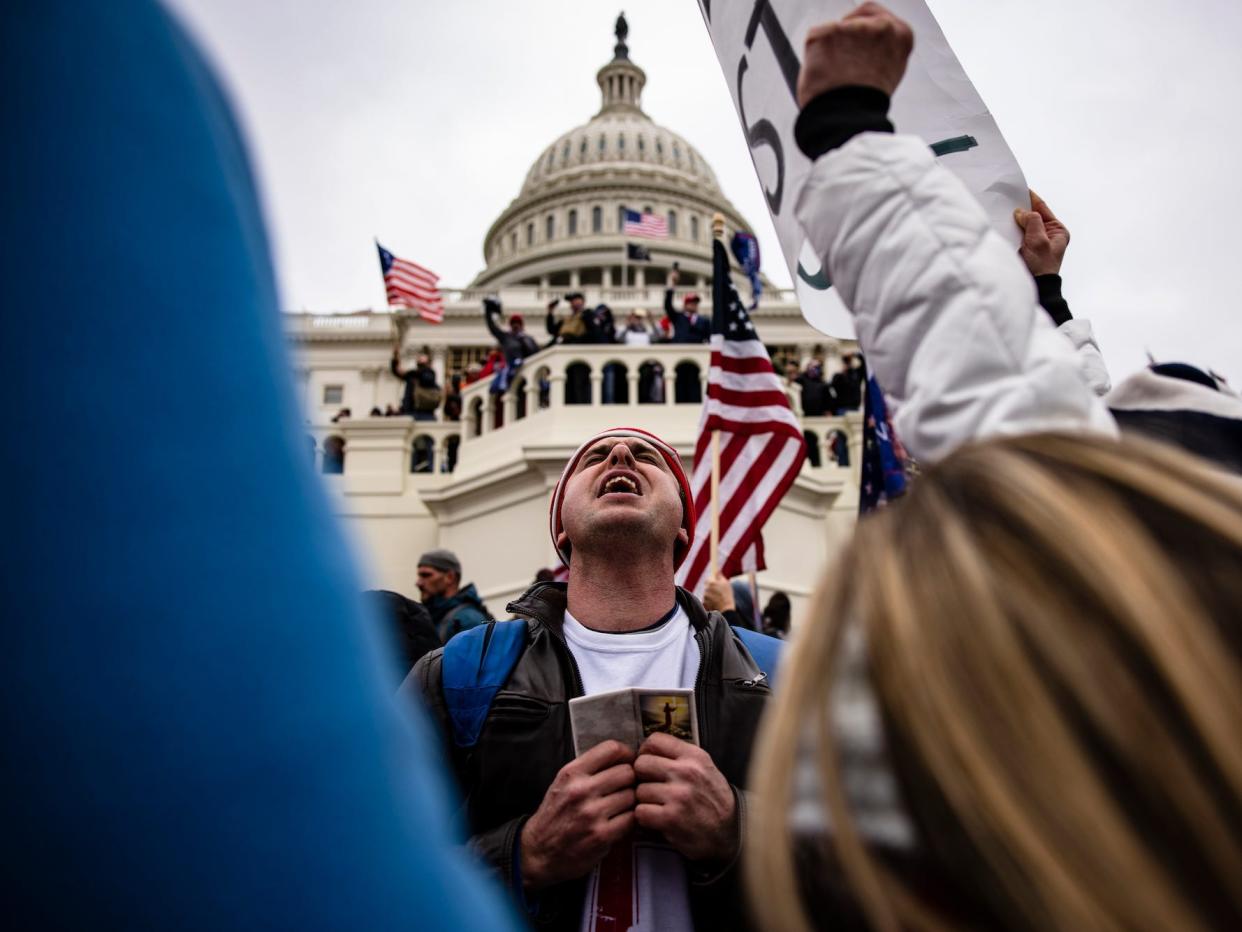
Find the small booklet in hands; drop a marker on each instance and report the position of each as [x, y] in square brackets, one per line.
[630, 715]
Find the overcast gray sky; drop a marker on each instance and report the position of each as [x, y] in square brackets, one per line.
[417, 121]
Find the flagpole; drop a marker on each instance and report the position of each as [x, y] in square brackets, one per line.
[717, 233]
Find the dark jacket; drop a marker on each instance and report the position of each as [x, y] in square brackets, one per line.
[527, 740]
[418, 377]
[408, 626]
[516, 347]
[684, 330]
[458, 612]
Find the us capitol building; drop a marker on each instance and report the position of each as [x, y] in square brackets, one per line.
[562, 232]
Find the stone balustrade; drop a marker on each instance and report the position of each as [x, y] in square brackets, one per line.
[659, 387]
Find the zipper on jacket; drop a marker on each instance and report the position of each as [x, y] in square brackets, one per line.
[703, 638]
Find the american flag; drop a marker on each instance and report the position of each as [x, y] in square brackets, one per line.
[648, 225]
[410, 285]
[761, 443]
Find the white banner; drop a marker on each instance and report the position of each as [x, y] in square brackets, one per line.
[759, 44]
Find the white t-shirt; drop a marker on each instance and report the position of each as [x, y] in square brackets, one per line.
[642, 884]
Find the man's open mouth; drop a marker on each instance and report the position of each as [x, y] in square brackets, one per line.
[620, 484]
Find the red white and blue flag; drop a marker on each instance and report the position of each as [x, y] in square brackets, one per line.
[761, 442]
[410, 285]
[645, 224]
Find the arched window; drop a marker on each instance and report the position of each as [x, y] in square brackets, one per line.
[422, 454]
[672, 223]
[620, 218]
[519, 396]
[812, 449]
[615, 387]
[551, 156]
[597, 219]
[512, 242]
[676, 152]
[577, 384]
[621, 143]
[601, 145]
[550, 227]
[476, 417]
[530, 234]
[659, 147]
[687, 389]
[642, 144]
[565, 153]
[651, 383]
[582, 148]
[694, 228]
[573, 222]
[450, 452]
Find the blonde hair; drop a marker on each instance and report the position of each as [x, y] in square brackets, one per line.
[1047, 622]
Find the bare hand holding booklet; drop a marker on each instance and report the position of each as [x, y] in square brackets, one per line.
[630, 715]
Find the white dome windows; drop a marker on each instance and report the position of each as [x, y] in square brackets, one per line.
[582, 149]
[550, 227]
[597, 219]
[694, 228]
[621, 144]
[530, 234]
[565, 154]
[572, 222]
[602, 143]
[672, 223]
[676, 152]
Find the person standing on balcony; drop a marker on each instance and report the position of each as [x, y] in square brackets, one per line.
[581, 326]
[453, 608]
[422, 394]
[515, 343]
[847, 386]
[687, 325]
[638, 331]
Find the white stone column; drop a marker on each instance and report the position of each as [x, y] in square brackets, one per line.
[532, 395]
[670, 385]
[510, 403]
[557, 397]
[631, 377]
[597, 387]
[640, 277]
[607, 276]
[575, 280]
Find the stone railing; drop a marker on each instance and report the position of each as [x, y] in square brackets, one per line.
[558, 397]
[609, 384]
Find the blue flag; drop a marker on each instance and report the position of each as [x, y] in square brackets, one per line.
[883, 459]
[746, 250]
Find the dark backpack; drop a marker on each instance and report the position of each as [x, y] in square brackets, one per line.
[477, 664]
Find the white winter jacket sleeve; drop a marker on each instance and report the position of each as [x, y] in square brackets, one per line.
[945, 312]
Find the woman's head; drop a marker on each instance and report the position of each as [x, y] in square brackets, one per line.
[1049, 635]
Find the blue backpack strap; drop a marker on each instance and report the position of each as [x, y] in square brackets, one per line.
[476, 664]
[765, 650]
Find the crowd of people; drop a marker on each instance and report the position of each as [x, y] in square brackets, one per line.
[1013, 702]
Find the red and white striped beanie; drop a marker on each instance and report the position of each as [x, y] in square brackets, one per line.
[674, 465]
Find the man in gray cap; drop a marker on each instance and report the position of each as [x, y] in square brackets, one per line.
[452, 607]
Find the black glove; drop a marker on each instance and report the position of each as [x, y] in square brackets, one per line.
[491, 306]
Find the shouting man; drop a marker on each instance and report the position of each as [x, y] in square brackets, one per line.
[611, 839]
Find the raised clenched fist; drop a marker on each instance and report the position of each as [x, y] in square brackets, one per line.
[868, 48]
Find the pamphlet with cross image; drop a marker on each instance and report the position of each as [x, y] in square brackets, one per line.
[630, 715]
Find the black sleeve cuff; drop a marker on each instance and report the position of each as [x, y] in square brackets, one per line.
[1049, 287]
[835, 117]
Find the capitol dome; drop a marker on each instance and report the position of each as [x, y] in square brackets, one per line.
[564, 227]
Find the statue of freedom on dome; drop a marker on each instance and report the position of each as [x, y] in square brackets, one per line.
[622, 31]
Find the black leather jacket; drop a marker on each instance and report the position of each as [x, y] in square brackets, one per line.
[527, 739]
